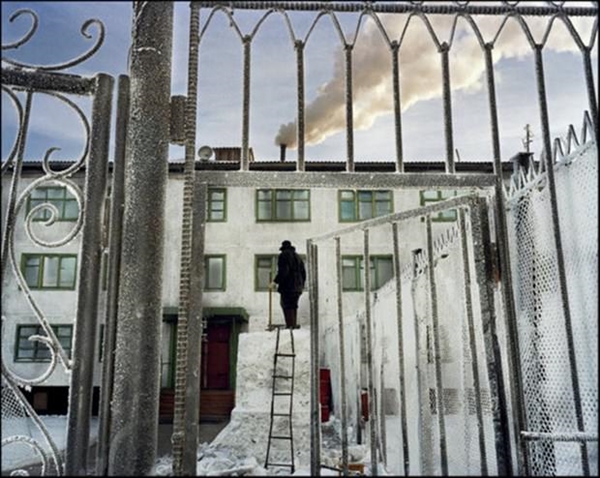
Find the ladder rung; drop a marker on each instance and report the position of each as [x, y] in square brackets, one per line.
[282, 376]
[285, 355]
[282, 393]
[279, 437]
[282, 414]
[289, 465]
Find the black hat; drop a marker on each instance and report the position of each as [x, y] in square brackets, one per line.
[285, 245]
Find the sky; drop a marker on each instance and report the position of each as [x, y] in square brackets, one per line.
[273, 103]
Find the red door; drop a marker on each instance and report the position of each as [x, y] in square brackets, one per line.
[215, 357]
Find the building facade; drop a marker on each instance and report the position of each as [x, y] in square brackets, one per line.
[244, 230]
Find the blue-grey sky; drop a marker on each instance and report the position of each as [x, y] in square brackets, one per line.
[273, 74]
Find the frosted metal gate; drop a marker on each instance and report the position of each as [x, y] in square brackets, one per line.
[22, 84]
[559, 343]
[428, 340]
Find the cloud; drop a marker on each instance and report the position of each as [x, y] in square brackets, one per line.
[420, 69]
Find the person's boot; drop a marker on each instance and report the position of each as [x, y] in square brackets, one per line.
[287, 313]
[294, 319]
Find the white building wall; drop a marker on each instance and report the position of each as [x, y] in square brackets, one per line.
[240, 238]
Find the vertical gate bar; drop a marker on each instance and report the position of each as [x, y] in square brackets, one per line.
[480, 231]
[349, 111]
[315, 423]
[185, 409]
[439, 390]
[134, 421]
[299, 46]
[380, 407]
[399, 318]
[513, 355]
[472, 342]
[447, 98]
[86, 321]
[369, 349]
[340, 310]
[560, 259]
[247, 42]
[9, 222]
[591, 91]
[112, 294]
[397, 106]
[194, 345]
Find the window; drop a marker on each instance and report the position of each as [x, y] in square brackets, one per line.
[290, 205]
[58, 196]
[33, 351]
[265, 265]
[214, 272]
[49, 271]
[428, 197]
[360, 205]
[167, 352]
[217, 205]
[382, 270]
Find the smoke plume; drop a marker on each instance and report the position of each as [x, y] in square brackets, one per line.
[420, 69]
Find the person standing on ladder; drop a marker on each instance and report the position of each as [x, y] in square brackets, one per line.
[290, 279]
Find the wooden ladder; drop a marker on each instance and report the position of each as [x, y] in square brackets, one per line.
[275, 392]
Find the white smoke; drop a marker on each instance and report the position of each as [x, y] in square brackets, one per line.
[420, 68]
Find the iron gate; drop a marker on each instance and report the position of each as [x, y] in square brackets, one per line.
[22, 84]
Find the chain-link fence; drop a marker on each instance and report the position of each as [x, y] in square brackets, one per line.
[559, 358]
[416, 347]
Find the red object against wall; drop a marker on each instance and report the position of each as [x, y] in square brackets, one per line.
[325, 393]
[364, 404]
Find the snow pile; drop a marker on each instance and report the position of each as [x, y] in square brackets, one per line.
[248, 430]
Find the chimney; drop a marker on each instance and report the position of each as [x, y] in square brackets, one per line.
[282, 152]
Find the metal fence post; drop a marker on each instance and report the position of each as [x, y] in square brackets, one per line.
[472, 342]
[344, 408]
[514, 354]
[134, 422]
[187, 385]
[315, 424]
[401, 371]
[560, 259]
[373, 439]
[483, 259]
[114, 261]
[84, 340]
[439, 385]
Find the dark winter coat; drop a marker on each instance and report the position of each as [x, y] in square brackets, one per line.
[291, 273]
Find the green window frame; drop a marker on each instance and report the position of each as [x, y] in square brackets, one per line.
[49, 271]
[283, 205]
[215, 267]
[265, 264]
[58, 196]
[33, 351]
[216, 205]
[353, 274]
[433, 196]
[359, 204]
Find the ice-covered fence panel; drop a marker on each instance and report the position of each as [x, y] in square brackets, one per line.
[434, 385]
[549, 386]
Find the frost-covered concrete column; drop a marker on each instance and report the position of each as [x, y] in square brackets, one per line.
[134, 421]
